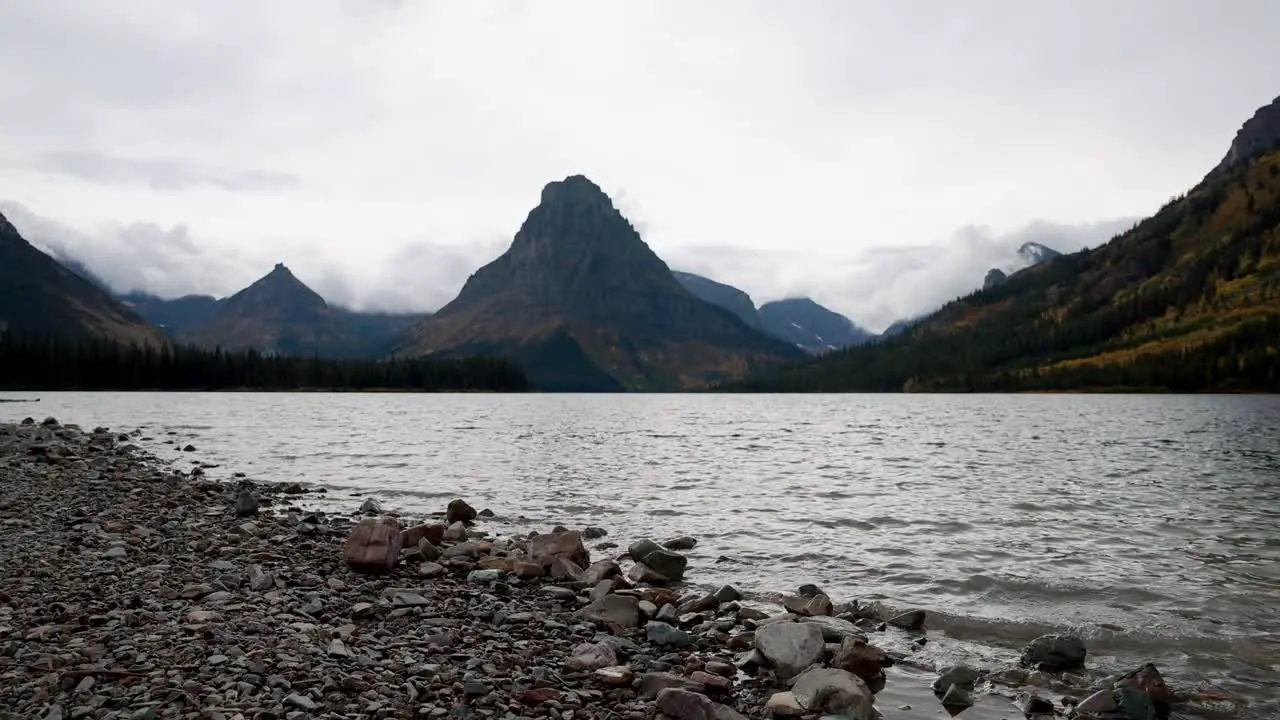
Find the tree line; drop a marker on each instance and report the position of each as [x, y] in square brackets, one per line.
[48, 362]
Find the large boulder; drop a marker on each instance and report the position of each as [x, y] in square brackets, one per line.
[568, 545]
[790, 647]
[832, 691]
[373, 546]
[1055, 653]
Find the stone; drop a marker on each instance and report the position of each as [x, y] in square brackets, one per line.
[568, 545]
[727, 593]
[467, 549]
[432, 532]
[589, 657]
[910, 620]
[660, 633]
[1055, 653]
[430, 570]
[819, 605]
[259, 579]
[373, 546]
[962, 675]
[1134, 704]
[683, 704]
[302, 702]
[485, 576]
[600, 570]
[834, 691]
[405, 598]
[495, 562]
[428, 551]
[809, 590]
[790, 647]
[615, 675]
[834, 629]
[456, 532]
[784, 704]
[620, 610]
[716, 683]
[1099, 703]
[642, 574]
[337, 648]
[1032, 705]
[860, 658]
[666, 563]
[653, 683]
[957, 700]
[640, 549]
[371, 507]
[115, 552]
[527, 570]
[246, 504]
[680, 542]
[563, 568]
[1148, 679]
[459, 511]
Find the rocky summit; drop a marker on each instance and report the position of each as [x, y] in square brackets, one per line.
[582, 303]
[138, 589]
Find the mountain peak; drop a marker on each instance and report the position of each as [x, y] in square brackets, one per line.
[575, 190]
[1258, 134]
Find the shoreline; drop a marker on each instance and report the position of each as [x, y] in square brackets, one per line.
[134, 589]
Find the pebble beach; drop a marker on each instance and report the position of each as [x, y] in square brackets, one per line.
[135, 588]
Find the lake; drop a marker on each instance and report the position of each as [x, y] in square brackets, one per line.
[1149, 524]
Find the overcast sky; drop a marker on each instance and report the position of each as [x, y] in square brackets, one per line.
[879, 156]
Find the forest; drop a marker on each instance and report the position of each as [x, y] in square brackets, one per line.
[47, 362]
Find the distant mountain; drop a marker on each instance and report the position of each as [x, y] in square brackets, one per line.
[39, 295]
[279, 314]
[810, 326]
[1030, 254]
[1187, 300]
[726, 296]
[178, 317]
[582, 303]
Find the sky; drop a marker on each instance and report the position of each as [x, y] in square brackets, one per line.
[877, 156]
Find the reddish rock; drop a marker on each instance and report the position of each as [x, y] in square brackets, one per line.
[528, 570]
[713, 682]
[494, 562]
[568, 545]
[537, 696]
[433, 532]
[374, 545]
[684, 705]
[858, 657]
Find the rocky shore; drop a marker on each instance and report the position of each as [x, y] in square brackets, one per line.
[133, 589]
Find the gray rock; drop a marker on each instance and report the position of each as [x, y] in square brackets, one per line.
[337, 648]
[668, 564]
[653, 683]
[661, 633]
[727, 593]
[784, 704]
[485, 576]
[683, 704]
[834, 692]
[600, 570]
[115, 552]
[957, 699]
[680, 542]
[459, 511]
[641, 574]
[640, 549]
[1055, 653]
[590, 657]
[910, 620]
[456, 532]
[962, 675]
[246, 504]
[302, 702]
[1032, 705]
[430, 570]
[790, 647]
[404, 598]
[593, 533]
[834, 629]
[371, 507]
[620, 610]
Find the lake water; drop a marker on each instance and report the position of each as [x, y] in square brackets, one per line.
[1150, 524]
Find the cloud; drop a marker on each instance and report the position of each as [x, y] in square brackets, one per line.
[158, 173]
[885, 283]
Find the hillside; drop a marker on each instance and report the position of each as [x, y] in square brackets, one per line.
[582, 303]
[728, 297]
[1187, 300]
[40, 296]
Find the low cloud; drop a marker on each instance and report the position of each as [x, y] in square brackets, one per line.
[882, 284]
[163, 174]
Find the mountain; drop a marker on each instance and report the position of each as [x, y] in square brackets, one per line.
[178, 317]
[1030, 254]
[38, 295]
[582, 303]
[810, 326]
[994, 277]
[726, 296]
[1186, 300]
[280, 315]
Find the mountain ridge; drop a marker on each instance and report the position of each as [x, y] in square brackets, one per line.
[578, 284]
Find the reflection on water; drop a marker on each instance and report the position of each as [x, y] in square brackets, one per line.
[1147, 523]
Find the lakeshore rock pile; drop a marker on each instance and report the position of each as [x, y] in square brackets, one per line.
[132, 590]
